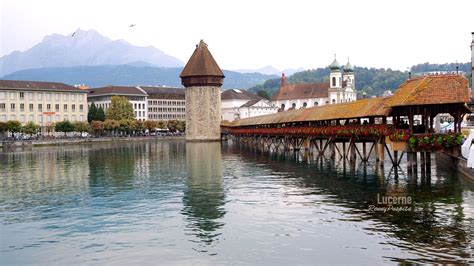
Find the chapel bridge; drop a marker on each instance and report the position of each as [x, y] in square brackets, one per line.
[395, 125]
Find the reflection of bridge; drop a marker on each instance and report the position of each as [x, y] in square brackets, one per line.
[399, 123]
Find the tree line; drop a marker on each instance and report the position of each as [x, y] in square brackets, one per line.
[119, 119]
[372, 81]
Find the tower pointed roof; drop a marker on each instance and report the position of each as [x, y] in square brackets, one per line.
[201, 63]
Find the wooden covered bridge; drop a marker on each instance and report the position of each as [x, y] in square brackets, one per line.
[396, 125]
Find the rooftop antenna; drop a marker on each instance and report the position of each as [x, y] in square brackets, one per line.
[457, 67]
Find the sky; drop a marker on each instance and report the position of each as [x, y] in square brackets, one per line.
[250, 34]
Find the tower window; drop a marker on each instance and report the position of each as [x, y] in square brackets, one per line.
[334, 81]
[304, 105]
[315, 103]
[293, 105]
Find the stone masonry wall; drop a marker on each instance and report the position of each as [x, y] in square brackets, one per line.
[203, 113]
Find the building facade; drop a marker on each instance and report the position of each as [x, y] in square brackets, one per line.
[165, 103]
[43, 103]
[339, 89]
[202, 78]
[102, 97]
[239, 104]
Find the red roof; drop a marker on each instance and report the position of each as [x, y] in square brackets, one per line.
[116, 90]
[302, 91]
[201, 63]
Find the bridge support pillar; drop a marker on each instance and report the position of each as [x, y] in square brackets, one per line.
[377, 155]
[364, 151]
[382, 153]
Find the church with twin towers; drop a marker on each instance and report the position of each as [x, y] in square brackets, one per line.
[340, 88]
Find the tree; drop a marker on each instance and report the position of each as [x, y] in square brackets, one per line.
[120, 109]
[64, 126]
[3, 128]
[181, 126]
[173, 125]
[80, 126]
[13, 126]
[97, 127]
[263, 94]
[138, 126]
[92, 114]
[100, 114]
[30, 128]
[161, 124]
[151, 125]
[111, 125]
[125, 126]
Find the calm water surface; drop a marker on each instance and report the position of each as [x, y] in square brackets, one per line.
[172, 202]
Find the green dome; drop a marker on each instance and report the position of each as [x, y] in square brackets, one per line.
[348, 67]
[335, 65]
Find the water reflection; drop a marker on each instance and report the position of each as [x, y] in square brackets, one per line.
[436, 223]
[204, 196]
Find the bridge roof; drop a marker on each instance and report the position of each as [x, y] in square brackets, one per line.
[361, 108]
[432, 89]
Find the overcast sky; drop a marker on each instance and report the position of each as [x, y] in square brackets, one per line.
[253, 34]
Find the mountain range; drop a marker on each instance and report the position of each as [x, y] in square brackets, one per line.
[270, 70]
[84, 48]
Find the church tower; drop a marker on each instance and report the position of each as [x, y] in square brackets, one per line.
[203, 79]
[349, 80]
[335, 82]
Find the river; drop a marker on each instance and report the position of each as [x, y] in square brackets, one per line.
[172, 203]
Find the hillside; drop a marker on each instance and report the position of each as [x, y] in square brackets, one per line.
[373, 81]
[84, 48]
[96, 76]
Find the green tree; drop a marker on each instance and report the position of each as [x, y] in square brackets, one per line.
[125, 126]
[120, 109]
[138, 126]
[100, 114]
[92, 114]
[80, 126]
[173, 125]
[111, 125]
[64, 126]
[3, 129]
[263, 94]
[161, 124]
[30, 128]
[13, 126]
[181, 126]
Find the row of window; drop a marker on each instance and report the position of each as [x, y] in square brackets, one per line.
[138, 106]
[166, 116]
[40, 118]
[170, 103]
[139, 113]
[40, 95]
[40, 107]
[161, 109]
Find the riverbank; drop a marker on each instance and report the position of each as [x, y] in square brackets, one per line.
[75, 141]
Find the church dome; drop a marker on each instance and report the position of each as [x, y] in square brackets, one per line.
[348, 67]
[335, 65]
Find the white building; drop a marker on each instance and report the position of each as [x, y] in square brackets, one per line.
[43, 103]
[101, 97]
[339, 89]
[239, 104]
[165, 103]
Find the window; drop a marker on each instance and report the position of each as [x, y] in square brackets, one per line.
[64, 96]
[304, 105]
[12, 95]
[334, 81]
[57, 107]
[30, 97]
[2, 95]
[50, 118]
[40, 96]
[22, 95]
[65, 107]
[2, 107]
[56, 96]
[81, 107]
[65, 117]
[40, 107]
[81, 118]
[31, 118]
[73, 107]
[22, 118]
[22, 107]
[48, 96]
[12, 107]
[56, 118]
[73, 118]
[48, 107]
[40, 119]
[315, 103]
[333, 100]
[3, 118]
[73, 97]
[13, 117]
[293, 105]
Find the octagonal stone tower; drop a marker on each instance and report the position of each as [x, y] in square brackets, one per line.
[203, 79]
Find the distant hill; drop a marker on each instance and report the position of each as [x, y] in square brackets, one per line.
[84, 48]
[373, 81]
[269, 70]
[135, 74]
